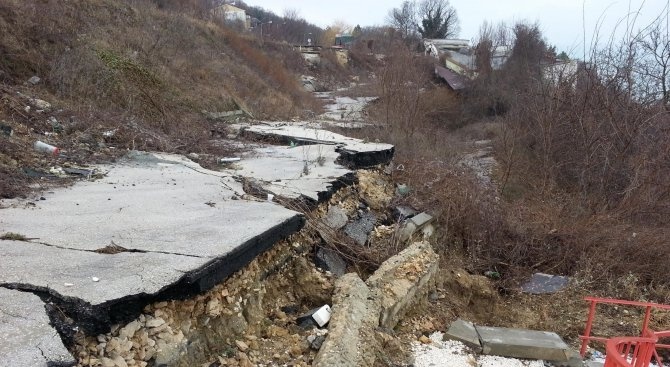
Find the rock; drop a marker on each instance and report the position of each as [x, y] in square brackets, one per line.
[464, 332]
[403, 280]
[336, 217]
[34, 80]
[308, 83]
[351, 334]
[317, 342]
[402, 212]
[119, 362]
[402, 190]
[193, 156]
[420, 222]
[541, 283]
[40, 104]
[106, 362]
[425, 340]
[155, 322]
[214, 307]
[330, 260]
[6, 130]
[167, 353]
[242, 346]
[359, 229]
[244, 360]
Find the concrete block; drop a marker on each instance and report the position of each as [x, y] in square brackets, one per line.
[415, 224]
[519, 343]
[464, 332]
[421, 219]
[574, 360]
[402, 280]
[350, 341]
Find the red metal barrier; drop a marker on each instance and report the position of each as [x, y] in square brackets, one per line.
[627, 351]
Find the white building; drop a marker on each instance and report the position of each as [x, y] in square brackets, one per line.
[460, 57]
[232, 14]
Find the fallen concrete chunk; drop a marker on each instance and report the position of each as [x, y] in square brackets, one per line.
[350, 341]
[336, 217]
[330, 260]
[418, 223]
[402, 212]
[353, 152]
[464, 332]
[360, 228]
[292, 172]
[541, 283]
[403, 280]
[520, 343]
[26, 338]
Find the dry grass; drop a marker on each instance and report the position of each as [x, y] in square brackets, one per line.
[142, 71]
[556, 206]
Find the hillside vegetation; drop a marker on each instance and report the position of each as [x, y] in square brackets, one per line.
[143, 71]
[580, 185]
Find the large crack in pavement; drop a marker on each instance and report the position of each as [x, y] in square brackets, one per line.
[178, 233]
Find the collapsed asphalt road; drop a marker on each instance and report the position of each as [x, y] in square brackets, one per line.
[156, 227]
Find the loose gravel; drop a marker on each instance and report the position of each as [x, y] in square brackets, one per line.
[456, 354]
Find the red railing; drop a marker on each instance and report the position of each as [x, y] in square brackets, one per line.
[630, 352]
[627, 351]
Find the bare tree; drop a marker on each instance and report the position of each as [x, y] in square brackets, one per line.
[291, 14]
[654, 65]
[484, 48]
[438, 19]
[403, 19]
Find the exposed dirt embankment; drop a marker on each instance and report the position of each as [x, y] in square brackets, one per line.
[253, 317]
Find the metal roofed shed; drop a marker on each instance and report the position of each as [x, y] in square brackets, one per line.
[454, 80]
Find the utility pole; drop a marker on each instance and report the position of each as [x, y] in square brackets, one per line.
[269, 22]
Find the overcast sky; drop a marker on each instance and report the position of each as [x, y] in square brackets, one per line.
[561, 20]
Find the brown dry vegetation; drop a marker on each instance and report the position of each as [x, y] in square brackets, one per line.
[143, 70]
[581, 182]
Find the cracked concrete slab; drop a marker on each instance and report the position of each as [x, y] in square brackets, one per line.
[293, 172]
[354, 153]
[149, 202]
[179, 229]
[180, 222]
[26, 338]
[70, 273]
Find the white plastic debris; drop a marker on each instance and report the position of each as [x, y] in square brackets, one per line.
[40, 104]
[46, 148]
[68, 284]
[229, 160]
[95, 279]
[322, 315]
[270, 197]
